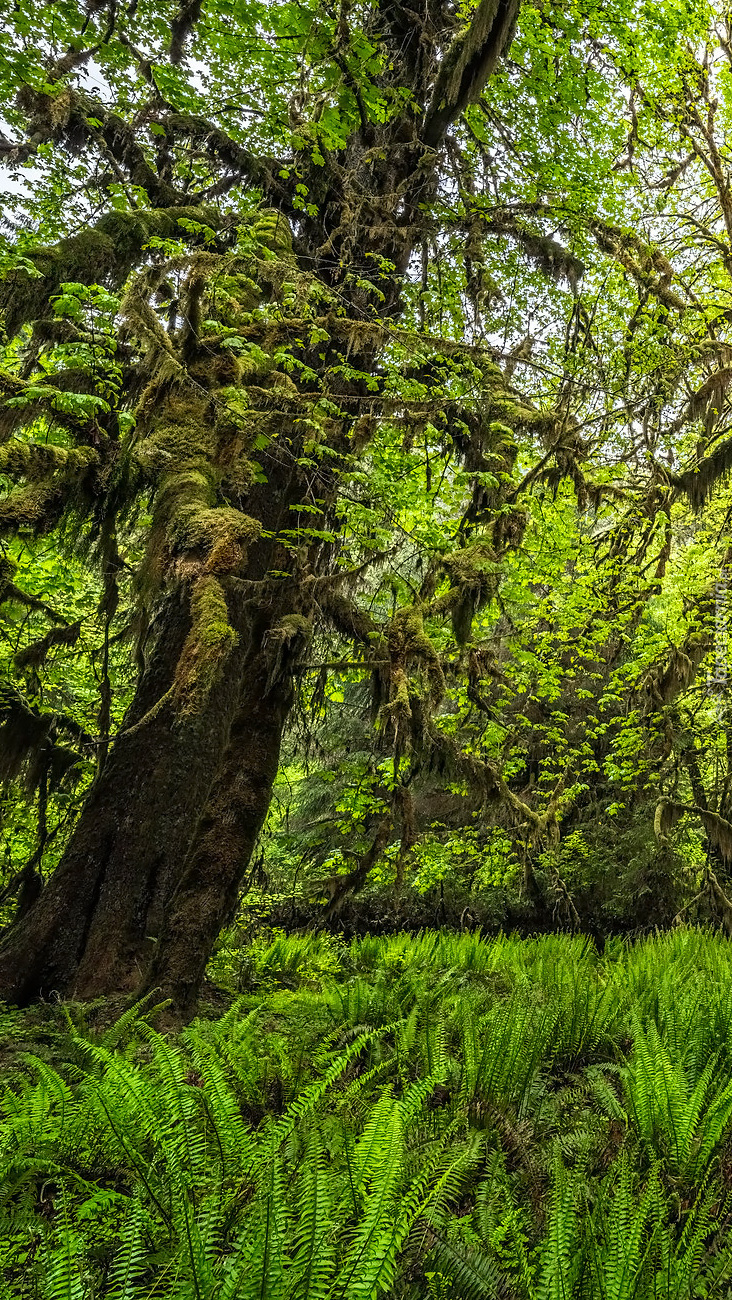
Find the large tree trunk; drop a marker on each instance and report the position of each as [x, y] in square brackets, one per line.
[86, 934]
[207, 893]
[93, 928]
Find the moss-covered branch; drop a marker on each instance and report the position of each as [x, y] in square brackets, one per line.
[101, 254]
[467, 65]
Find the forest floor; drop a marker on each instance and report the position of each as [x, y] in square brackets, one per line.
[435, 1115]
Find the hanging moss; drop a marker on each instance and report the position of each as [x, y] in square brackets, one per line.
[552, 258]
[23, 730]
[509, 529]
[409, 644]
[217, 369]
[676, 670]
[718, 829]
[699, 482]
[285, 645]
[33, 655]
[474, 578]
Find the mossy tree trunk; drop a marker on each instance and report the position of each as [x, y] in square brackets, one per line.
[93, 929]
[206, 896]
[87, 933]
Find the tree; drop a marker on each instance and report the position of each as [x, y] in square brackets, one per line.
[217, 359]
[235, 602]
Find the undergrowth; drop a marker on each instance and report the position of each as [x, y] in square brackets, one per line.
[418, 1116]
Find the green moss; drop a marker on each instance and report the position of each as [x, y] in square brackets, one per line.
[37, 507]
[183, 434]
[36, 461]
[474, 578]
[273, 230]
[222, 533]
[208, 646]
[56, 481]
[409, 643]
[103, 253]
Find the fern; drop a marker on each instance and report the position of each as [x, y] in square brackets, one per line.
[673, 1114]
[314, 1247]
[63, 1277]
[620, 1233]
[558, 1259]
[482, 1133]
[129, 1260]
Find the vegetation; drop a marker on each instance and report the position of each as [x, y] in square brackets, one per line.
[364, 450]
[365, 443]
[431, 1115]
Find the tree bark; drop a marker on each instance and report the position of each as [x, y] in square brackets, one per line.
[86, 934]
[206, 896]
[92, 930]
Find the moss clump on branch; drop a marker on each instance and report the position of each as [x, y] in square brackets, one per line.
[57, 481]
[474, 578]
[222, 533]
[100, 254]
[180, 434]
[35, 461]
[273, 230]
[410, 646]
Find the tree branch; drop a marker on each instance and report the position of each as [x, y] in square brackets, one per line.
[467, 66]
